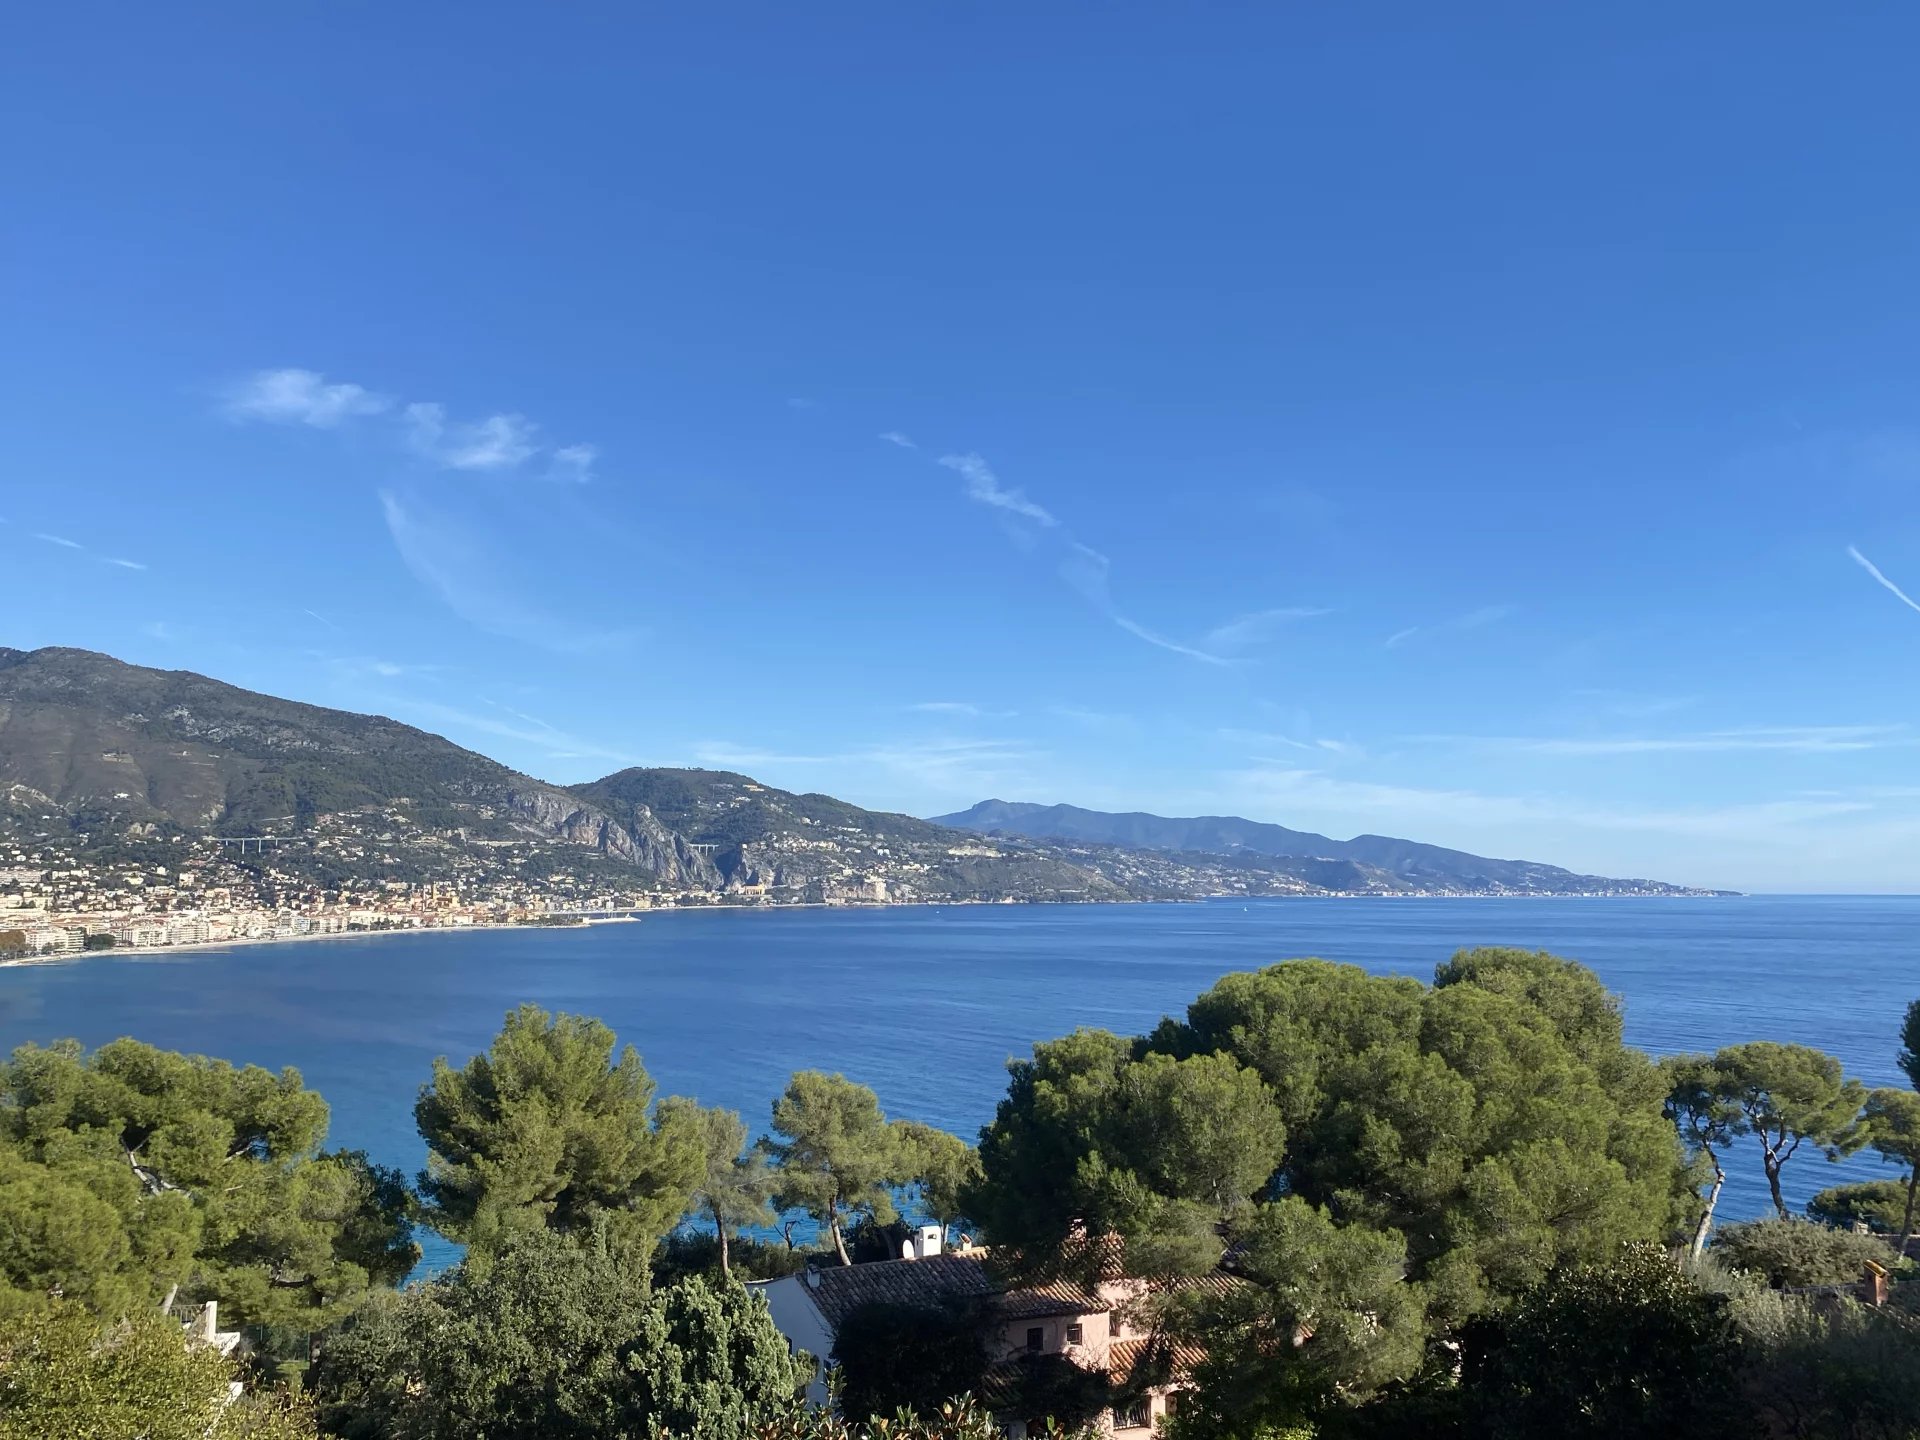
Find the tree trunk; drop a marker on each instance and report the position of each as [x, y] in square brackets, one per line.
[1706, 1216]
[839, 1241]
[1906, 1222]
[726, 1260]
[1773, 1181]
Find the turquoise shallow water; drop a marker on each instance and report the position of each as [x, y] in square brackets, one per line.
[926, 1005]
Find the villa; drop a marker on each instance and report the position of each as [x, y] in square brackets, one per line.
[1098, 1328]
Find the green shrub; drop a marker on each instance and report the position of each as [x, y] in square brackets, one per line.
[1879, 1204]
[1799, 1252]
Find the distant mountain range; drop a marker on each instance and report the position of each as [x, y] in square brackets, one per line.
[101, 755]
[1419, 866]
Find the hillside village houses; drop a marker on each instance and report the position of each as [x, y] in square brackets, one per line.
[57, 904]
[1098, 1328]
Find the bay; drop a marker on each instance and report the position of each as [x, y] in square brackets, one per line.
[926, 1005]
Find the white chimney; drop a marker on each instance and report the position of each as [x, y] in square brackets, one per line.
[927, 1241]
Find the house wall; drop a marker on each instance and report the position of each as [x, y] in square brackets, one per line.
[797, 1318]
[1091, 1352]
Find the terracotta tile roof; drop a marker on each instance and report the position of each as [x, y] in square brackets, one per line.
[934, 1281]
[1151, 1357]
[1062, 1297]
[939, 1280]
[1217, 1283]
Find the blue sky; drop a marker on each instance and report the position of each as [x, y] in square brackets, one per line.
[1440, 421]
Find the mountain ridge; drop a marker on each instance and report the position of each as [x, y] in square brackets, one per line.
[112, 758]
[1410, 860]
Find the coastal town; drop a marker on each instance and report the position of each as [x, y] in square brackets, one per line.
[55, 902]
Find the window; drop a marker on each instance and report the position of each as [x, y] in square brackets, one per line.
[1036, 1338]
[1073, 1334]
[1136, 1416]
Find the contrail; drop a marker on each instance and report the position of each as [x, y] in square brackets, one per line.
[1874, 570]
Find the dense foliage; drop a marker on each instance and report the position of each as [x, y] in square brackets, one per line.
[1799, 1252]
[892, 1358]
[66, 1372]
[548, 1129]
[959, 1419]
[557, 1338]
[1326, 1320]
[1494, 1123]
[838, 1157]
[1878, 1204]
[134, 1171]
[1892, 1120]
[1363, 1207]
[1787, 1097]
[734, 1187]
[1832, 1371]
[1627, 1346]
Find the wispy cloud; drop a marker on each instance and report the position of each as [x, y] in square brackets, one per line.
[495, 443]
[573, 464]
[959, 707]
[361, 668]
[65, 544]
[894, 437]
[1789, 739]
[556, 744]
[498, 442]
[465, 571]
[321, 618]
[1254, 739]
[1090, 573]
[937, 767]
[985, 488]
[1141, 632]
[1245, 631]
[962, 768]
[158, 630]
[1084, 568]
[725, 755]
[1874, 570]
[1279, 783]
[1090, 719]
[1637, 707]
[1472, 620]
[299, 397]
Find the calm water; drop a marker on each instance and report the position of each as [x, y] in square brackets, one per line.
[926, 1005]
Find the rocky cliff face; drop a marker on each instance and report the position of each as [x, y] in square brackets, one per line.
[642, 841]
[756, 865]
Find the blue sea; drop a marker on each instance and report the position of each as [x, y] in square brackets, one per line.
[926, 1005]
